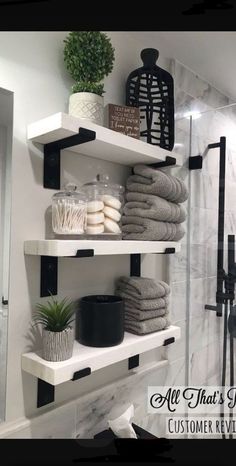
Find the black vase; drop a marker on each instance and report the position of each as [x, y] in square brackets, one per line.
[100, 320]
[152, 90]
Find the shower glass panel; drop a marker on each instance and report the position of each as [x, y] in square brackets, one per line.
[205, 342]
[6, 122]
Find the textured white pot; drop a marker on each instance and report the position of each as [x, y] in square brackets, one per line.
[58, 346]
[88, 106]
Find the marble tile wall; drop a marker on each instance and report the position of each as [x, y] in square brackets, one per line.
[194, 86]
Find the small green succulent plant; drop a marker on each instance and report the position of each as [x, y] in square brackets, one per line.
[55, 315]
[89, 57]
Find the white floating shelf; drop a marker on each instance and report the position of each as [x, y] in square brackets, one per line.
[94, 358]
[109, 145]
[68, 248]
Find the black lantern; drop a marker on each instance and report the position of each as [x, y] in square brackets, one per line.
[152, 90]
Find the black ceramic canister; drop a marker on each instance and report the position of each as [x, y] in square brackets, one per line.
[100, 320]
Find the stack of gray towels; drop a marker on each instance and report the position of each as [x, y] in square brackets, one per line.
[146, 304]
[152, 211]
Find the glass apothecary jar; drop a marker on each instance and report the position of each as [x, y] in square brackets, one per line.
[104, 208]
[69, 211]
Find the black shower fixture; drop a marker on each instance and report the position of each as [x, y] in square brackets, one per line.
[232, 322]
[230, 283]
[225, 293]
[221, 275]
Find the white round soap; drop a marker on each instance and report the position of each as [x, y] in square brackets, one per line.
[112, 213]
[95, 229]
[111, 201]
[95, 218]
[111, 226]
[94, 206]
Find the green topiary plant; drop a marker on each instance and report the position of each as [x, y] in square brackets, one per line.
[54, 316]
[89, 57]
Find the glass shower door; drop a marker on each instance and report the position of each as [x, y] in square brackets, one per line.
[205, 327]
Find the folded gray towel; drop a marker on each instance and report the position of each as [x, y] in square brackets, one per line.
[142, 304]
[136, 314]
[145, 229]
[151, 181]
[146, 326]
[143, 288]
[154, 207]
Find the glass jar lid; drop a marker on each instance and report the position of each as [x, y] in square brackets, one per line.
[70, 191]
[102, 184]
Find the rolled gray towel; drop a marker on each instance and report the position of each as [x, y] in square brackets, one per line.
[145, 229]
[147, 180]
[146, 326]
[136, 314]
[153, 207]
[143, 288]
[142, 304]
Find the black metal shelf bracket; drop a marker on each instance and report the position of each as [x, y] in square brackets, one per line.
[84, 253]
[168, 162]
[135, 265]
[195, 163]
[48, 276]
[82, 373]
[52, 156]
[168, 341]
[46, 393]
[135, 262]
[169, 251]
[133, 362]
[49, 271]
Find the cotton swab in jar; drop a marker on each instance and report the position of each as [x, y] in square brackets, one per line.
[68, 217]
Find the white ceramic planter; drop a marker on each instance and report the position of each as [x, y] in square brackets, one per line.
[87, 106]
[58, 346]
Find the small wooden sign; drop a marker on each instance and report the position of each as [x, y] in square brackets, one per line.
[123, 119]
